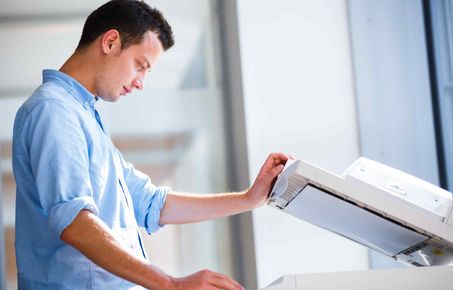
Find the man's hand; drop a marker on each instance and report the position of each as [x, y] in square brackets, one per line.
[273, 166]
[206, 279]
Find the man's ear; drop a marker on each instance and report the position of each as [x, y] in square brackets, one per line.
[110, 41]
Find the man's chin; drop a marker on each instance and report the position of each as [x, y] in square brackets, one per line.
[110, 98]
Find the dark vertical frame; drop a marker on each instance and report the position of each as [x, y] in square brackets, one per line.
[241, 226]
[443, 180]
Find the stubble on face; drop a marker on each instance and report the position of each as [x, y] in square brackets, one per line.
[125, 69]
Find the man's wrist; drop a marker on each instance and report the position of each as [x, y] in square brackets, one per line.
[250, 199]
[159, 280]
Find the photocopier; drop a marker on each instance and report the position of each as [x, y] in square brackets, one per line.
[380, 207]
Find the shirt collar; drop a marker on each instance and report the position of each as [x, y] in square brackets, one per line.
[76, 89]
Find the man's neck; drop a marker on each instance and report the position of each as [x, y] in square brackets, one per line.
[77, 68]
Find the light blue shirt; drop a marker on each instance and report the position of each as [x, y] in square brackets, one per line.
[64, 161]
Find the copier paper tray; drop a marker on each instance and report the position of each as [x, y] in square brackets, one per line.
[373, 204]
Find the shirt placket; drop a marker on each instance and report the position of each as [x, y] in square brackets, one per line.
[129, 204]
[122, 184]
[96, 116]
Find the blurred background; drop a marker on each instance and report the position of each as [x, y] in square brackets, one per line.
[326, 81]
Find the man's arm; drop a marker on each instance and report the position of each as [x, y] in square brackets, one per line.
[186, 208]
[88, 234]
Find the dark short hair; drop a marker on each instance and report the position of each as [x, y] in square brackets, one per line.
[132, 19]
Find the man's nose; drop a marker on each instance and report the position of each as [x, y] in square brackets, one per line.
[138, 84]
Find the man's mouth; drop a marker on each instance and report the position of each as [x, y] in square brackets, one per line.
[126, 90]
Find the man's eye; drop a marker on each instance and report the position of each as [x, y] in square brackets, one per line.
[141, 67]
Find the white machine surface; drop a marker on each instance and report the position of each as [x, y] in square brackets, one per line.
[375, 205]
[430, 278]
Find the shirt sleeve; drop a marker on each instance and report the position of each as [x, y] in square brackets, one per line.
[59, 161]
[147, 198]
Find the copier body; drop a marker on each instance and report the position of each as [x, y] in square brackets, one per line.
[373, 204]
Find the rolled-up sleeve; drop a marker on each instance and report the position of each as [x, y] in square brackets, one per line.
[148, 199]
[59, 162]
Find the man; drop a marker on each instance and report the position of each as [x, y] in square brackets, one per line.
[79, 203]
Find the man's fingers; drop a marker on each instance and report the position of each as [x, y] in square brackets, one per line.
[270, 178]
[278, 157]
[224, 282]
[275, 159]
[207, 280]
[273, 166]
[272, 175]
[220, 281]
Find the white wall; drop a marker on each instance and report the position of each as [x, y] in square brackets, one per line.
[299, 99]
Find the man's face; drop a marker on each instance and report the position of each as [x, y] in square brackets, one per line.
[125, 70]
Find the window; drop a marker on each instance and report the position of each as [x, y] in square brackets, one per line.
[174, 130]
[393, 92]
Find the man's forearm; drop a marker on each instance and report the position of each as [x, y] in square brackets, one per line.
[88, 234]
[180, 208]
[186, 208]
